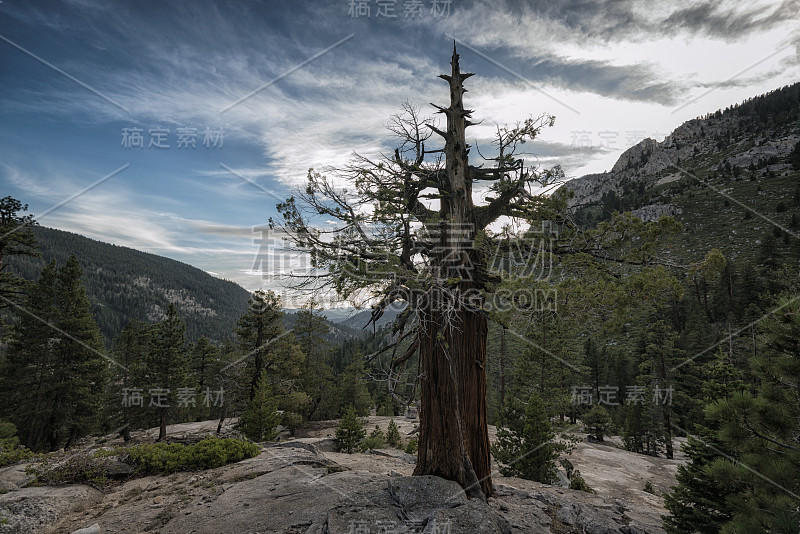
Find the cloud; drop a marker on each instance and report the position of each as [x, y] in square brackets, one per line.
[731, 22]
[618, 62]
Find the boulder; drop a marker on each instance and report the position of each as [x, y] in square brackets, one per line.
[34, 510]
[92, 529]
[395, 453]
[14, 477]
[426, 493]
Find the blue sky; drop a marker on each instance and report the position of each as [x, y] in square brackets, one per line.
[327, 76]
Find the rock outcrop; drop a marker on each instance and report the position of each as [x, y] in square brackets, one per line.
[294, 487]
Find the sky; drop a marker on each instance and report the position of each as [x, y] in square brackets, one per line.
[176, 127]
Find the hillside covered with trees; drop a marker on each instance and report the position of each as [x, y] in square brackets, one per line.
[124, 284]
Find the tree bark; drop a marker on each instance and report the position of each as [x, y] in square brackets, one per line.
[454, 439]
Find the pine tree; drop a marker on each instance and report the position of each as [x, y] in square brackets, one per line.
[83, 362]
[55, 368]
[763, 432]
[393, 437]
[544, 364]
[525, 442]
[167, 367]
[317, 378]
[698, 503]
[660, 355]
[375, 440]
[597, 422]
[259, 421]
[350, 431]
[28, 384]
[204, 367]
[125, 393]
[634, 436]
[264, 343]
[352, 390]
[16, 239]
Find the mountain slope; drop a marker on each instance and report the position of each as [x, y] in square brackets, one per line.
[730, 177]
[125, 284]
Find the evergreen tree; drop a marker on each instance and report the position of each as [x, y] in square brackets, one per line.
[597, 422]
[125, 392]
[545, 365]
[350, 431]
[525, 442]
[375, 440]
[55, 369]
[16, 239]
[317, 378]
[698, 503]
[83, 362]
[352, 390]
[393, 437]
[634, 436]
[259, 421]
[660, 356]
[167, 368]
[262, 340]
[204, 367]
[763, 431]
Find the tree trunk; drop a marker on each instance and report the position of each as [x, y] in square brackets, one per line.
[454, 439]
[502, 366]
[222, 419]
[162, 429]
[668, 434]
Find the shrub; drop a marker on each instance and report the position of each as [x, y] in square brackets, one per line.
[292, 421]
[166, 458]
[98, 468]
[393, 437]
[10, 450]
[648, 487]
[350, 431]
[578, 483]
[375, 440]
[412, 446]
[12, 453]
[77, 469]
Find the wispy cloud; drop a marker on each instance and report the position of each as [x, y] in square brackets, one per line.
[622, 62]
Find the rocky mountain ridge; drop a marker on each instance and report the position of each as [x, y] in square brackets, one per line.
[745, 137]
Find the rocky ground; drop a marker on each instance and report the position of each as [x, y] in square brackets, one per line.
[302, 486]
